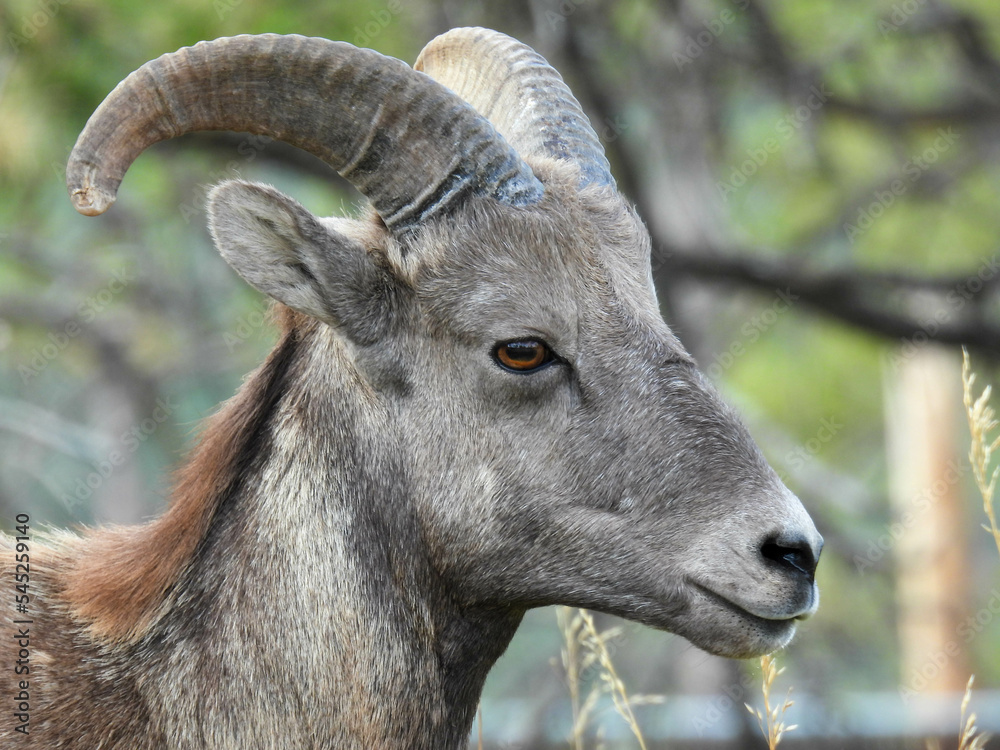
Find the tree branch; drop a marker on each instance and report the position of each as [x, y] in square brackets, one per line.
[956, 305]
[969, 111]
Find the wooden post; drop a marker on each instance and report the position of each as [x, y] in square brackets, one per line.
[928, 531]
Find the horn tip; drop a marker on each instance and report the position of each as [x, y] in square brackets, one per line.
[91, 201]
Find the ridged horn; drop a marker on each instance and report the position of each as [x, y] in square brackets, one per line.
[523, 96]
[410, 145]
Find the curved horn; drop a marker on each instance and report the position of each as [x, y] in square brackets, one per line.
[523, 96]
[410, 145]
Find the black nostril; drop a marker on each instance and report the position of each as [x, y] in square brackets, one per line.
[791, 553]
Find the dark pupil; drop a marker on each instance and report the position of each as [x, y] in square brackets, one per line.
[522, 352]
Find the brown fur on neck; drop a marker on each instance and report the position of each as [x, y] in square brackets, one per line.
[118, 578]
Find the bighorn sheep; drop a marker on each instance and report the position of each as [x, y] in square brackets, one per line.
[475, 408]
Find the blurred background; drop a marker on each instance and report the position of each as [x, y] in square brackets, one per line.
[822, 182]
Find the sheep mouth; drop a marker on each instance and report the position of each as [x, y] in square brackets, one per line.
[776, 624]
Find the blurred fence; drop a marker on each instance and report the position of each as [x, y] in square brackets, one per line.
[856, 721]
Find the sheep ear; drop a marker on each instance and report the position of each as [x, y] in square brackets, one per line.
[284, 251]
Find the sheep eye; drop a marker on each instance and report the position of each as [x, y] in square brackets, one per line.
[524, 355]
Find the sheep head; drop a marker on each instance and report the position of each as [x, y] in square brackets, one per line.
[496, 309]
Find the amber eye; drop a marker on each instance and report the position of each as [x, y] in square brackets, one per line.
[524, 355]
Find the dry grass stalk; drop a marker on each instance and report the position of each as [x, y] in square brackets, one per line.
[771, 720]
[570, 626]
[585, 647]
[968, 737]
[982, 422]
